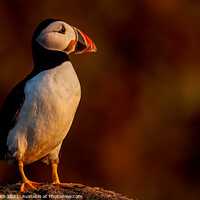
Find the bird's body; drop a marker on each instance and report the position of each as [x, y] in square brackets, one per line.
[38, 113]
[51, 100]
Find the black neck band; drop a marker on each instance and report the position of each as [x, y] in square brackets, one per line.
[47, 59]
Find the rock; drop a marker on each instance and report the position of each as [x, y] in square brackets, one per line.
[49, 191]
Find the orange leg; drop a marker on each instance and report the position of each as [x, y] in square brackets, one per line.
[56, 180]
[27, 186]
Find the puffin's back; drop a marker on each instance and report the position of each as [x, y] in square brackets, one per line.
[8, 114]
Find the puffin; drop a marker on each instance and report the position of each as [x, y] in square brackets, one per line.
[38, 112]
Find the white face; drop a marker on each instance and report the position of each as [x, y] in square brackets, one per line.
[58, 36]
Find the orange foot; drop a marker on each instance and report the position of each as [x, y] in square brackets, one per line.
[30, 186]
[56, 180]
[69, 185]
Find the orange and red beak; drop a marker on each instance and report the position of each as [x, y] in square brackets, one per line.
[83, 43]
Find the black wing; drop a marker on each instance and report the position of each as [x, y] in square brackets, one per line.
[8, 114]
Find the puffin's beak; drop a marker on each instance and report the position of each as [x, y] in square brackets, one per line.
[83, 43]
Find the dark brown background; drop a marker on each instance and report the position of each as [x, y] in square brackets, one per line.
[137, 129]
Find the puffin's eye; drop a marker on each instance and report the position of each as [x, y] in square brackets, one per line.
[62, 30]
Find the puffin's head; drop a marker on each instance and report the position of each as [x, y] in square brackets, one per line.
[58, 35]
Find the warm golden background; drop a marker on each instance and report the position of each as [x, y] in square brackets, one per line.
[137, 129]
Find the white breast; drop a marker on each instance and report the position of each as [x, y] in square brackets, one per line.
[51, 100]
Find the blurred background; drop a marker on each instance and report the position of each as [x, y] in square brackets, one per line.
[137, 128]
